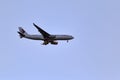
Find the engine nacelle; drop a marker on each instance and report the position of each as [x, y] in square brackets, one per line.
[54, 43]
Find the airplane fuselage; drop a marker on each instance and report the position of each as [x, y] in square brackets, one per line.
[55, 37]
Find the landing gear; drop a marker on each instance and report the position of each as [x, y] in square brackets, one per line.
[67, 41]
[45, 43]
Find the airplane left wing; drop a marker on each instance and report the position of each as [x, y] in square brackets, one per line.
[44, 33]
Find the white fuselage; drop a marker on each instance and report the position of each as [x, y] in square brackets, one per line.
[57, 37]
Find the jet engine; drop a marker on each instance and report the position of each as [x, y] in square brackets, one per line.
[54, 43]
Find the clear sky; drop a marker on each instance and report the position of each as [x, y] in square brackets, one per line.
[94, 54]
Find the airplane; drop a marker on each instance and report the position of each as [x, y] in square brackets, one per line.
[45, 36]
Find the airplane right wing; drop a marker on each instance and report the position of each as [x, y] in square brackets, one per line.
[44, 33]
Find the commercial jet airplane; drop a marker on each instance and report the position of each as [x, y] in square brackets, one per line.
[46, 37]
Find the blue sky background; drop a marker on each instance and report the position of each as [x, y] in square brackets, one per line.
[94, 54]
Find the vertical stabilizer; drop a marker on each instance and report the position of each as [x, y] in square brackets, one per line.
[22, 33]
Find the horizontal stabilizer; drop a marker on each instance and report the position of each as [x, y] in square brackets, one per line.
[21, 34]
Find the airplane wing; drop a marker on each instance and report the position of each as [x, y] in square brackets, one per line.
[44, 33]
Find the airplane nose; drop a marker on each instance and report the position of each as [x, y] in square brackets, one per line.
[72, 37]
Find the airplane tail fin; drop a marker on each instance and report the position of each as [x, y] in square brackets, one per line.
[22, 33]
